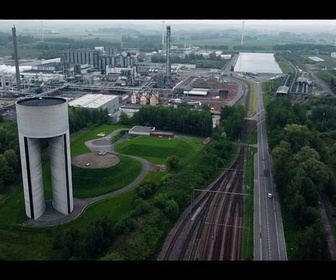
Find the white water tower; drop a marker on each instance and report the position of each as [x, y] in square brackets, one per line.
[45, 118]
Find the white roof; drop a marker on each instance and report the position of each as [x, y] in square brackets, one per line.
[197, 91]
[92, 100]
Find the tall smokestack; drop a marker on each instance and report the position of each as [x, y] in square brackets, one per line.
[163, 33]
[242, 36]
[16, 58]
[168, 63]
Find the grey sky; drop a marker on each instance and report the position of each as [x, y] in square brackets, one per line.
[278, 25]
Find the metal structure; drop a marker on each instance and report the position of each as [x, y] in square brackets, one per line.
[163, 41]
[16, 58]
[45, 118]
[168, 62]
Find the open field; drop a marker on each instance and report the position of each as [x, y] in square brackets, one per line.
[158, 150]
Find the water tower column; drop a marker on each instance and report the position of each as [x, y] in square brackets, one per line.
[32, 176]
[60, 163]
[45, 118]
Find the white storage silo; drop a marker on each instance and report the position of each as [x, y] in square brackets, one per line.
[45, 118]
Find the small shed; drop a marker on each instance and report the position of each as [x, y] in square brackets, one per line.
[141, 130]
[282, 90]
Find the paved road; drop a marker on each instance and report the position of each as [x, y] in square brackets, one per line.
[269, 240]
[52, 217]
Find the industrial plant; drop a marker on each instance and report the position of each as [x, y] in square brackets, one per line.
[100, 78]
[128, 74]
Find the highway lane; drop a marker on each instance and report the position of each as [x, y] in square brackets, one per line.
[269, 241]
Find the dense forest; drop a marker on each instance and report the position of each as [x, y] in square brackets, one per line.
[303, 167]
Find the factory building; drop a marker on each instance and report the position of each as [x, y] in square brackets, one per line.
[96, 101]
[145, 68]
[37, 119]
[126, 76]
[83, 56]
[99, 58]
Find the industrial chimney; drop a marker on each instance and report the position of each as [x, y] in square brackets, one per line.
[16, 58]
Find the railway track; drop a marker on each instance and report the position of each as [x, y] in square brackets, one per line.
[212, 227]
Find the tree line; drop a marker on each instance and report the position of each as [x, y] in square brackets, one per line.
[181, 119]
[305, 48]
[303, 169]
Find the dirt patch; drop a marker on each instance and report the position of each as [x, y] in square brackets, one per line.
[95, 160]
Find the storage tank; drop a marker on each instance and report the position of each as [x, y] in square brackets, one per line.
[143, 100]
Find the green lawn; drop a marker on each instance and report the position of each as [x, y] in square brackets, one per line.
[79, 138]
[98, 181]
[25, 243]
[157, 150]
[249, 189]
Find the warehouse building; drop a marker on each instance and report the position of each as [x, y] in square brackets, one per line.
[96, 101]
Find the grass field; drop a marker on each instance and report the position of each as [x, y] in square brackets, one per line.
[79, 138]
[23, 243]
[249, 205]
[87, 183]
[158, 150]
[252, 101]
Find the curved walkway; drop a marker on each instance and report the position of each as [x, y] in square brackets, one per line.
[52, 217]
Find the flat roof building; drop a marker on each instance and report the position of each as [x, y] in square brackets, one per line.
[141, 130]
[282, 90]
[96, 101]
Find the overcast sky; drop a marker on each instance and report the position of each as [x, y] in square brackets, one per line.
[280, 25]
